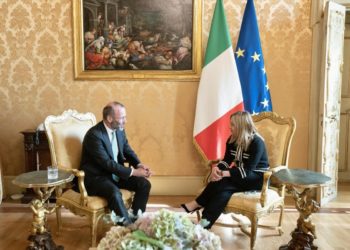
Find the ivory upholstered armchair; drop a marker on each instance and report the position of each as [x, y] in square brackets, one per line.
[277, 132]
[65, 134]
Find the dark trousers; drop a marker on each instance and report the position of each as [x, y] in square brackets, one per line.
[109, 189]
[216, 195]
[214, 199]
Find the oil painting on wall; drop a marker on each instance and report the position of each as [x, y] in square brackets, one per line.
[116, 39]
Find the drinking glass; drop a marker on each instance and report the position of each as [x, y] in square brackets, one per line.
[52, 172]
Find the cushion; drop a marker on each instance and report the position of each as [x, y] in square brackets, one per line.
[93, 202]
[250, 200]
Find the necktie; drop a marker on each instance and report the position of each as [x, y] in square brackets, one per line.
[115, 152]
[114, 146]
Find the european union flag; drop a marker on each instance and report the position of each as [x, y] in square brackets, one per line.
[250, 64]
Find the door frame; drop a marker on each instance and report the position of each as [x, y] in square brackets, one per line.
[317, 12]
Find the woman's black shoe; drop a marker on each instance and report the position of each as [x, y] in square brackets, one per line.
[188, 211]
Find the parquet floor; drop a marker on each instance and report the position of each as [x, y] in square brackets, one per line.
[332, 226]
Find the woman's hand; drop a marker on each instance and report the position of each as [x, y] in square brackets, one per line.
[216, 174]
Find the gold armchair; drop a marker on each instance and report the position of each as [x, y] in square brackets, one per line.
[65, 134]
[277, 132]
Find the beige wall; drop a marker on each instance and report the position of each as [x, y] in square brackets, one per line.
[36, 79]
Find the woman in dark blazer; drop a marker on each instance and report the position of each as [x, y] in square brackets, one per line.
[241, 169]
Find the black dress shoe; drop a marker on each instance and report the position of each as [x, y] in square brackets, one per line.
[120, 223]
[124, 223]
[189, 211]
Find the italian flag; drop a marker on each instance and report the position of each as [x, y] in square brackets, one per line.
[219, 92]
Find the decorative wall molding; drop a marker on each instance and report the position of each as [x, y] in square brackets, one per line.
[317, 8]
[1, 183]
[36, 80]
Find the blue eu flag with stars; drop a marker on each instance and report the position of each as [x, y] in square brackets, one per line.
[250, 64]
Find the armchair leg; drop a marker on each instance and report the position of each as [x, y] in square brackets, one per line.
[198, 215]
[280, 230]
[59, 218]
[254, 227]
[93, 229]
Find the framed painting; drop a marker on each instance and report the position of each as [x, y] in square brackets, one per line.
[137, 39]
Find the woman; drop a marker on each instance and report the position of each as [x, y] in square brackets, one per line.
[241, 169]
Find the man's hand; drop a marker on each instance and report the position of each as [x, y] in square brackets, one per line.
[141, 165]
[142, 171]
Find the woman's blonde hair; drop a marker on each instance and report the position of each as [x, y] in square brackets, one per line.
[245, 128]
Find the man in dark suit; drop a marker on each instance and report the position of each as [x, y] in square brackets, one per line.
[105, 150]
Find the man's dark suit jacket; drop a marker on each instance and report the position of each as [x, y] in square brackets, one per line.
[97, 157]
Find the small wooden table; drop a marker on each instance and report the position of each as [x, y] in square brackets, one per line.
[40, 237]
[36, 150]
[299, 183]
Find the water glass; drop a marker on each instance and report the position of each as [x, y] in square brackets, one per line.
[52, 172]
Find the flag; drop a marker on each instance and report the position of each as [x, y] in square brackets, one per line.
[250, 64]
[219, 92]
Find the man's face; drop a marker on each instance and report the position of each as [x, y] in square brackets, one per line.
[119, 120]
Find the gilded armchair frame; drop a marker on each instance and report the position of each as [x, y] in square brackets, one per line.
[65, 134]
[257, 204]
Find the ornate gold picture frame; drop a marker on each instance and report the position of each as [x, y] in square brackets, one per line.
[137, 39]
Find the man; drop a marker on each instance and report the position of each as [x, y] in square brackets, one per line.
[105, 149]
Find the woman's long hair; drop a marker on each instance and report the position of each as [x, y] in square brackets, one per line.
[244, 125]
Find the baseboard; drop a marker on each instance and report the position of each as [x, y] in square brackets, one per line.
[343, 182]
[161, 185]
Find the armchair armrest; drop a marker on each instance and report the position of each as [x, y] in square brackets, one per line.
[264, 188]
[83, 193]
[278, 168]
[212, 162]
[276, 183]
[209, 166]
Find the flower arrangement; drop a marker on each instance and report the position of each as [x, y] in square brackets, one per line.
[163, 229]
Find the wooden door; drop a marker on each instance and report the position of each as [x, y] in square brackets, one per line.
[344, 142]
[332, 25]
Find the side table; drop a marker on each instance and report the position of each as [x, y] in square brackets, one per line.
[40, 237]
[299, 183]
